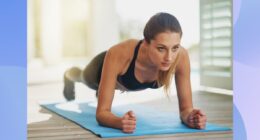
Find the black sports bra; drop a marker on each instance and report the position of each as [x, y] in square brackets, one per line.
[129, 80]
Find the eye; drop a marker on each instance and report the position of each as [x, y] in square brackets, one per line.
[175, 49]
[160, 49]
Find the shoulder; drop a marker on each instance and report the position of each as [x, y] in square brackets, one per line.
[123, 50]
[184, 61]
[183, 53]
[121, 54]
[124, 45]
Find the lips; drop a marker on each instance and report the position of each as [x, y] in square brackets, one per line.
[166, 64]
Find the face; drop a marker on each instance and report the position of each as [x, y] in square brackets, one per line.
[163, 49]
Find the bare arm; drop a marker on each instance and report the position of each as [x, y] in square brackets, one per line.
[106, 92]
[113, 65]
[193, 118]
[183, 85]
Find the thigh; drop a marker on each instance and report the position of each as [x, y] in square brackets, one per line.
[92, 72]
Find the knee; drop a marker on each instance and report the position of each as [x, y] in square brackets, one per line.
[75, 71]
[74, 74]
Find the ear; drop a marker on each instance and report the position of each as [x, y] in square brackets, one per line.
[146, 43]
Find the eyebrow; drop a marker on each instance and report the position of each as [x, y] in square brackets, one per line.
[175, 46]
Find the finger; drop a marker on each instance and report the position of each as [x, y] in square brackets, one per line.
[200, 125]
[132, 118]
[128, 131]
[131, 113]
[194, 119]
[201, 113]
[128, 122]
[197, 118]
[190, 117]
[196, 110]
[126, 116]
[191, 120]
[192, 114]
[202, 119]
[203, 126]
[192, 125]
[128, 128]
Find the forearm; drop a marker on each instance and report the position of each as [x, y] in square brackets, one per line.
[108, 119]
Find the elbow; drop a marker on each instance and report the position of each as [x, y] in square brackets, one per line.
[98, 118]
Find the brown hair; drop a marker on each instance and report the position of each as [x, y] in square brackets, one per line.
[163, 22]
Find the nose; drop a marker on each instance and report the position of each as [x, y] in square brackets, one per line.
[168, 56]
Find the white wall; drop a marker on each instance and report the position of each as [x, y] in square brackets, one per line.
[103, 30]
[51, 34]
[30, 31]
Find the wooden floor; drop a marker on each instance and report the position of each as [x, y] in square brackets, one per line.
[53, 127]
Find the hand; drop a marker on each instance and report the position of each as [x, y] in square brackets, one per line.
[196, 119]
[128, 122]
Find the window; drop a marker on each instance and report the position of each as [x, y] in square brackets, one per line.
[216, 43]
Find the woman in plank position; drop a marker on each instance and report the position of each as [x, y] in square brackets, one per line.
[136, 65]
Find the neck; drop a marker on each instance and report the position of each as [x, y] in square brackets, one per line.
[145, 65]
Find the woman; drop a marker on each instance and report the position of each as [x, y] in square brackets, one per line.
[136, 65]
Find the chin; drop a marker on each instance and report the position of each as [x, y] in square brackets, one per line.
[164, 68]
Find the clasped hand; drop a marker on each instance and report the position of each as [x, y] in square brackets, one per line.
[196, 119]
[128, 122]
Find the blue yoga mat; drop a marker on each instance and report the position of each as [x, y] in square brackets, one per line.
[149, 121]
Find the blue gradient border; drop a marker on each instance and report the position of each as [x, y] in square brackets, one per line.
[246, 70]
[13, 82]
